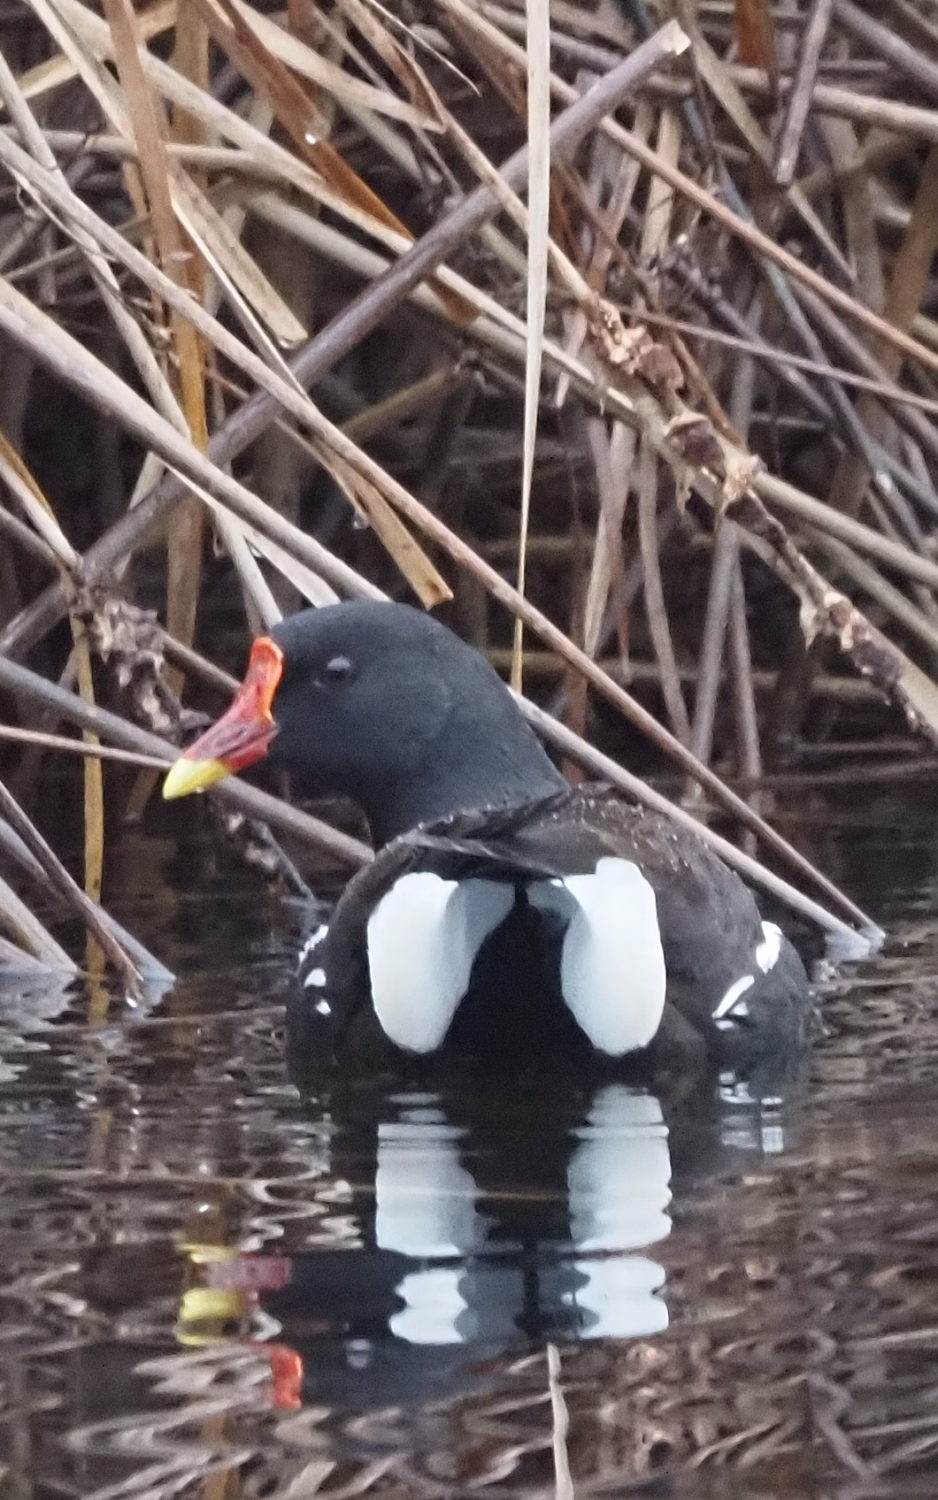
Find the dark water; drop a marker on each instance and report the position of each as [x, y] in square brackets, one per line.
[208, 1288]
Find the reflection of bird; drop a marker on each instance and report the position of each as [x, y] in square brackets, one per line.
[505, 910]
[486, 1227]
[613, 1201]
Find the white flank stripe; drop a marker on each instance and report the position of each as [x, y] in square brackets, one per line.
[316, 978]
[771, 946]
[313, 941]
[612, 968]
[731, 998]
[423, 937]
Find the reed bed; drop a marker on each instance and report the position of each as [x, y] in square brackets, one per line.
[606, 329]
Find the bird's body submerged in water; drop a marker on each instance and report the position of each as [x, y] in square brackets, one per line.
[506, 914]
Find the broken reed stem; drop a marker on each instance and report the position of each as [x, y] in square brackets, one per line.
[560, 1428]
[546, 665]
[655, 607]
[69, 891]
[722, 574]
[743, 686]
[898, 396]
[791, 130]
[84, 748]
[29, 933]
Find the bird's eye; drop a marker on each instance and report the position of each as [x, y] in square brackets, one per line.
[339, 669]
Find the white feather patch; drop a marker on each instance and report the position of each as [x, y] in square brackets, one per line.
[730, 1001]
[423, 937]
[612, 972]
[313, 941]
[771, 946]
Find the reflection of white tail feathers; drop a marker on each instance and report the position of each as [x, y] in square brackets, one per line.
[425, 1208]
[435, 1310]
[752, 1123]
[424, 1199]
[620, 1173]
[618, 1181]
[617, 1299]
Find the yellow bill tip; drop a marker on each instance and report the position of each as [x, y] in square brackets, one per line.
[186, 776]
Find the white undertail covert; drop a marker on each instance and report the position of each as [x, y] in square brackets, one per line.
[424, 935]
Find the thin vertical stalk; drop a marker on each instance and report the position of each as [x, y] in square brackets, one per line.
[655, 607]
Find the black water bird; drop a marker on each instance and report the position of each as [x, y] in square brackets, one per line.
[506, 914]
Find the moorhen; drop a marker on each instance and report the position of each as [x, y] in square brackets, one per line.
[506, 914]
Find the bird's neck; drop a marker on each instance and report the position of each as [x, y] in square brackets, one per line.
[475, 769]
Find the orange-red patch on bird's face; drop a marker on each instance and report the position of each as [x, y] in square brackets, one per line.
[261, 680]
[242, 735]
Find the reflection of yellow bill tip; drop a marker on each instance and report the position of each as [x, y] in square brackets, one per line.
[186, 776]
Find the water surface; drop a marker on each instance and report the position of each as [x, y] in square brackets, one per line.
[210, 1287]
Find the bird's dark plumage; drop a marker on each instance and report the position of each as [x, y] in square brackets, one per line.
[505, 913]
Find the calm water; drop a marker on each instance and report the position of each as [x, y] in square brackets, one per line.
[209, 1288]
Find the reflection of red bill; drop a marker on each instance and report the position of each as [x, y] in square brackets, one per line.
[248, 1273]
[241, 736]
[286, 1368]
